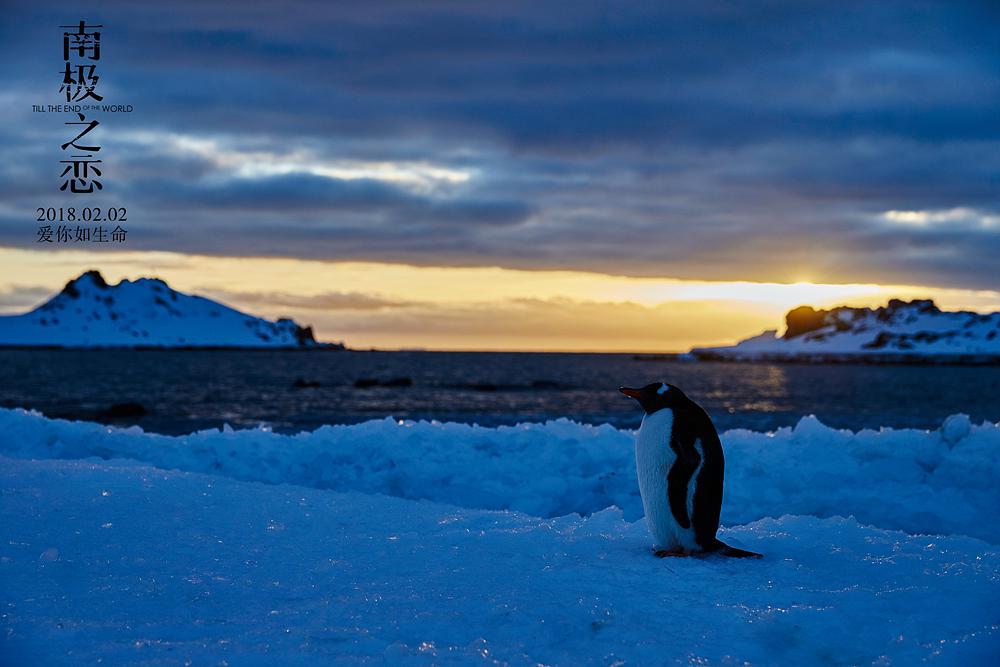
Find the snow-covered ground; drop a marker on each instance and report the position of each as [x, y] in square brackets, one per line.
[89, 312]
[900, 329]
[377, 543]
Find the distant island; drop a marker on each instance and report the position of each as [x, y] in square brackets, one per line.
[146, 313]
[899, 332]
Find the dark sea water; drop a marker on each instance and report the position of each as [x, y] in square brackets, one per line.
[183, 391]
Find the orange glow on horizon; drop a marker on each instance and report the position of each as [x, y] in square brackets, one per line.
[394, 306]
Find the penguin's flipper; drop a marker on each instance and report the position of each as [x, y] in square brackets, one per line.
[678, 479]
[724, 549]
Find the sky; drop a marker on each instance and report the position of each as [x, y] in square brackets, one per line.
[579, 176]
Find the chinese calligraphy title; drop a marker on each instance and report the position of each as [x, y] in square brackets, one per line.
[83, 173]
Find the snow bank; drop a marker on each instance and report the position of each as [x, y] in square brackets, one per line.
[125, 564]
[942, 482]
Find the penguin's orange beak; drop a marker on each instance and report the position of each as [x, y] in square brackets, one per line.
[628, 391]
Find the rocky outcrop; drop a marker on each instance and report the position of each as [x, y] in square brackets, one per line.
[900, 331]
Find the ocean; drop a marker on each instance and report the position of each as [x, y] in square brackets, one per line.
[180, 391]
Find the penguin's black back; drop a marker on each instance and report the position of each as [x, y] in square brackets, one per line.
[692, 423]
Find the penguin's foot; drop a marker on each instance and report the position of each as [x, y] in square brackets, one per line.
[673, 553]
[732, 552]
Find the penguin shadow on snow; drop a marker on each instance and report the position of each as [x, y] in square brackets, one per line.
[680, 467]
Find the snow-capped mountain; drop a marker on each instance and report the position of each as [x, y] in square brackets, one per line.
[900, 331]
[89, 312]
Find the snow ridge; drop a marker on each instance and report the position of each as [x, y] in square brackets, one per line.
[938, 482]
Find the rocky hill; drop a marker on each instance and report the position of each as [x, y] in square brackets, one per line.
[901, 331]
[89, 312]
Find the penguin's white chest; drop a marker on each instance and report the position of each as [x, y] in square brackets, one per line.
[653, 459]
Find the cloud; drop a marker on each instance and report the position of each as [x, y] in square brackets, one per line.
[690, 140]
[328, 301]
[366, 319]
[19, 298]
[557, 323]
[962, 217]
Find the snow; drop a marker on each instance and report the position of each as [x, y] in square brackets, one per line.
[146, 312]
[380, 543]
[126, 563]
[910, 329]
[942, 481]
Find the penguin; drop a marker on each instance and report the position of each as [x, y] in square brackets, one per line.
[680, 465]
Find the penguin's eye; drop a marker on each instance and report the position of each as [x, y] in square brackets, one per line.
[663, 389]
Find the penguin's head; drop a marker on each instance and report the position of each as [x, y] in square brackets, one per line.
[655, 396]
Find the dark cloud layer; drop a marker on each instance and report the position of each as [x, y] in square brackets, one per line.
[702, 140]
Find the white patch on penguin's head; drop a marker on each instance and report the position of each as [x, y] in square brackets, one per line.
[664, 388]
